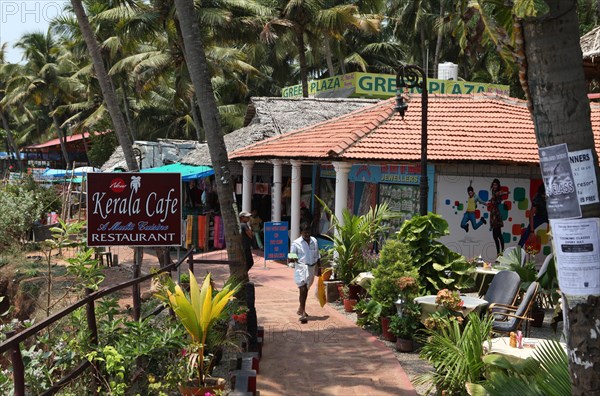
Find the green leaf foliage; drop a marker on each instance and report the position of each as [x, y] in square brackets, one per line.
[435, 263]
[352, 238]
[547, 374]
[394, 263]
[455, 352]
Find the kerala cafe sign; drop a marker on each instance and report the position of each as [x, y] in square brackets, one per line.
[134, 209]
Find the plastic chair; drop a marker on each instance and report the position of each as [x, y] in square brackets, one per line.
[503, 290]
[544, 297]
[544, 266]
[520, 253]
[514, 316]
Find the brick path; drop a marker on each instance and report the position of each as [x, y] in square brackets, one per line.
[327, 356]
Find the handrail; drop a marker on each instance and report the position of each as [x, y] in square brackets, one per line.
[12, 343]
[23, 335]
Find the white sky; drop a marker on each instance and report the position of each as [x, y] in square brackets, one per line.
[18, 17]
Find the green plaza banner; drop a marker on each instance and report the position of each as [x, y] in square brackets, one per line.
[384, 86]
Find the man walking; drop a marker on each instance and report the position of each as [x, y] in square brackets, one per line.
[304, 253]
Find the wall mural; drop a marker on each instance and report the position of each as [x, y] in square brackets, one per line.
[481, 220]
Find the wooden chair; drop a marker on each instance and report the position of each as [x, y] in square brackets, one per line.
[512, 317]
[101, 253]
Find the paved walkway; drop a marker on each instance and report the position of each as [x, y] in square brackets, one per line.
[329, 355]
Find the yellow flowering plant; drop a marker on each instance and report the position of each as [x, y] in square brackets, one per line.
[198, 312]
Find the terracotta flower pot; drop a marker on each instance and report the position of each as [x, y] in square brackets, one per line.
[349, 304]
[538, 318]
[211, 385]
[355, 291]
[403, 345]
[385, 332]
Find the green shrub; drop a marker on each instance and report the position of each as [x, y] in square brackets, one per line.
[394, 263]
[438, 266]
[19, 209]
[455, 352]
[407, 325]
[353, 238]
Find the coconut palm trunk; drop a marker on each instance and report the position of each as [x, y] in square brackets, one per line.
[196, 118]
[11, 142]
[62, 138]
[199, 73]
[108, 92]
[561, 114]
[302, 60]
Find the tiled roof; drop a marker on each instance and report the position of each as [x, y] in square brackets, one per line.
[460, 128]
[56, 142]
[268, 117]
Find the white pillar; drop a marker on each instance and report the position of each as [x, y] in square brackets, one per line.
[342, 169]
[296, 191]
[247, 185]
[276, 193]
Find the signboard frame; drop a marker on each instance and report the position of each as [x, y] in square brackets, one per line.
[276, 240]
[134, 209]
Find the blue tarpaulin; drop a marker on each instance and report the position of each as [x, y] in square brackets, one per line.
[64, 173]
[188, 172]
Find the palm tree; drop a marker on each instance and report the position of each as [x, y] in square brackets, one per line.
[551, 73]
[108, 92]
[6, 71]
[299, 17]
[199, 73]
[45, 83]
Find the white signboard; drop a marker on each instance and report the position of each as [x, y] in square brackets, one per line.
[577, 245]
[584, 174]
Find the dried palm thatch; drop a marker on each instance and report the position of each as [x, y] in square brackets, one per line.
[153, 154]
[267, 117]
[590, 46]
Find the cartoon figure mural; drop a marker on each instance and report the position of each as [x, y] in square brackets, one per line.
[497, 195]
[538, 215]
[512, 212]
[471, 211]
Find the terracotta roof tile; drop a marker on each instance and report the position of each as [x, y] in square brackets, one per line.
[460, 128]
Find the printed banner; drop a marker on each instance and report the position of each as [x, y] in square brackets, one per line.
[276, 240]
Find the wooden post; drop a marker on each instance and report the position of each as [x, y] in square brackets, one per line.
[91, 318]
[90, 313]
[137, 301]
[191, 262]
[251, 319]
[18, 368]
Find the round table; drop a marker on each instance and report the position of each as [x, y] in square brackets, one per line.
[470, 304]
[501, 346]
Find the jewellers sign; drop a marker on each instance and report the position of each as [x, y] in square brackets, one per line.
[134, 209]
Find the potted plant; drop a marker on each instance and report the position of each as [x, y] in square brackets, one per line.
[198, 314]
[348, 302]
[448, 309]
[405, 326]
[361, 309]
[326, 263]
[352, 237]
